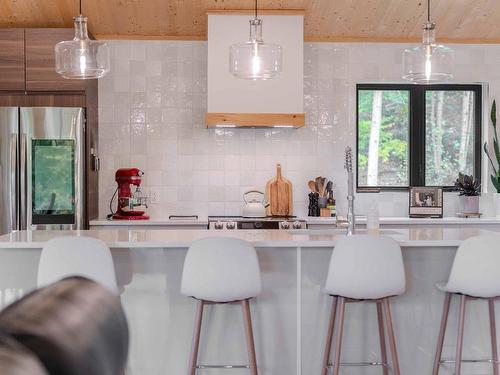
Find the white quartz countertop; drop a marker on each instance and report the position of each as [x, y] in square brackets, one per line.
[407, 237]
[202, 221]
[450, 220]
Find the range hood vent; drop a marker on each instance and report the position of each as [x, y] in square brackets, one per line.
[234, 102]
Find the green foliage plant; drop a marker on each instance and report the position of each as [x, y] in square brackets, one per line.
[495, 177]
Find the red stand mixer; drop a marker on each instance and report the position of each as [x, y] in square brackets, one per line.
[131, 205]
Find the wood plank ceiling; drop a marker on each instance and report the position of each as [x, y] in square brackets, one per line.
[461, 21]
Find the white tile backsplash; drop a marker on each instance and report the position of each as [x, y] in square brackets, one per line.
[153, 102]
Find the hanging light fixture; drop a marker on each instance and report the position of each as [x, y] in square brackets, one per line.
[428, 62]
[255, 59]
[82, 58]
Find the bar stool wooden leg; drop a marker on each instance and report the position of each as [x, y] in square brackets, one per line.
[329, 337]
[249, 335]
[338, 336]
[193, 358]
[460, 337]
[392, 337]
[442, 332]
[493, 330]
[383, 350]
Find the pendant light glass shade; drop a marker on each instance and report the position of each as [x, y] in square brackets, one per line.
[82, 58]
[255, 59]
[428, 62]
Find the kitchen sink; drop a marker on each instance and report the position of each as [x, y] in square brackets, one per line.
[340, 231]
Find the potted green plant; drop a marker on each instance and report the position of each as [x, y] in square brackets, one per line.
[469, 188]
[494, 158]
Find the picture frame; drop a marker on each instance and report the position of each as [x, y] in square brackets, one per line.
[426, 202]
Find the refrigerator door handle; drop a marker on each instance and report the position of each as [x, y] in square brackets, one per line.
[14, 180]
[23, 210]
[96, 162]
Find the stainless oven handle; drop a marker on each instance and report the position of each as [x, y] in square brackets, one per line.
[23, 190]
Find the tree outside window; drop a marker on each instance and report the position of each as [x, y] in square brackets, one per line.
[414, 135]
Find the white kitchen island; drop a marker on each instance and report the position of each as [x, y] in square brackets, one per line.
[290, 317]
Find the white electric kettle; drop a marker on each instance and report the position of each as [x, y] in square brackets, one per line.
[254, 206]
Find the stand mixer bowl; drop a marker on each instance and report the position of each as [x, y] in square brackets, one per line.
[133, 205]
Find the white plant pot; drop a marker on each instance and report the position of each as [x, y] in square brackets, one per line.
[496, 202]
[469, 205]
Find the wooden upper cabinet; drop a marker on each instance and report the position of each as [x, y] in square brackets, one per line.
[12, 59]
[40, 61]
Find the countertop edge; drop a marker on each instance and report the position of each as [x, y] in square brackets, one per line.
[411, 221]
[310, 220]
[150, 222]
[257, 244]
[168, 239]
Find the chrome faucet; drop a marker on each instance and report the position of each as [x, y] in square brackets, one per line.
[351, 222]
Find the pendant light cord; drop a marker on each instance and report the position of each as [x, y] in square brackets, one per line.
[255, 9]
[428, 11]
[80, 6]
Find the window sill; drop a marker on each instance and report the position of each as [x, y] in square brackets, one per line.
[362, 189]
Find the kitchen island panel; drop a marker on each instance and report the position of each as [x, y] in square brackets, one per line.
[290, 317]
[416, 315]
[161, 318]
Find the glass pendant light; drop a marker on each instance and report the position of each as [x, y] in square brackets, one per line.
[82, 58]
[428, 62]
[255, 59]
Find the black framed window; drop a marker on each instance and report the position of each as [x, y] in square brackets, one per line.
[417, 135]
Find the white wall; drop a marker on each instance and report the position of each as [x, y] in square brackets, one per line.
[153, 102]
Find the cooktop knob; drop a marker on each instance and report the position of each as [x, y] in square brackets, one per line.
[231, 225]
[219, 225]
[257, 225]
[285, 225]
[297, 224]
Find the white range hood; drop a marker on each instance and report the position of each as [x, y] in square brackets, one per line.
[233, 102]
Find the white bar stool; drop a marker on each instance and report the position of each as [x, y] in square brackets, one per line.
[474, 275]
[364, 268]
[221, 270]
[77, 256]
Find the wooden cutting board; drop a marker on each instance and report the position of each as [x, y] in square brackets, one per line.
[279, 195]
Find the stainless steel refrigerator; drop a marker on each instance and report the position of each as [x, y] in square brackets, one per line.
[41, 168]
